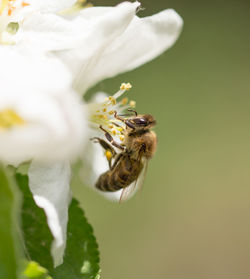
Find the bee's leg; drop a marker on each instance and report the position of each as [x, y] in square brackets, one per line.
[111, 140]
[109, 150]
[127, 122]
[134, 111]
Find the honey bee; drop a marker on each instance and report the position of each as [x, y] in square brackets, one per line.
[128, 167]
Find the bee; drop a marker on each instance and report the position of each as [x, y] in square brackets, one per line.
[128, 167]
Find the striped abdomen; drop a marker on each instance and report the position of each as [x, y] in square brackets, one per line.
[125, 172]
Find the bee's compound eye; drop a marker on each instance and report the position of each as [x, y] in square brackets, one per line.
[140, 121]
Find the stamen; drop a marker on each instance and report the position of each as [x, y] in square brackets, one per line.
[113, 131]
[122, 137]
[103, 113]
[124, 87]
[24, 4]
[124, 101]
[9, 118]
[132, 104]
[112, 99]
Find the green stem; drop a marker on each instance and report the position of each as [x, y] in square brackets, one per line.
[9, 246]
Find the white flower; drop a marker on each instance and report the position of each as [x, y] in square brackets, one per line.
[97, 42]
[41, 119]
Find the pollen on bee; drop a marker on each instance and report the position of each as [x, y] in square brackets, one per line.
[108, 155]
[132, 104]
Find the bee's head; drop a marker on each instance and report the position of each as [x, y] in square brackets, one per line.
[143, 121]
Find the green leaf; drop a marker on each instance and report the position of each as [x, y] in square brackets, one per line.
[9, 202]
[81, 259]
[36, 234]
[34, 271]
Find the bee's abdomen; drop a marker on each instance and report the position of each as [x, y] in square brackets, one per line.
[105, 183]
[122, 176]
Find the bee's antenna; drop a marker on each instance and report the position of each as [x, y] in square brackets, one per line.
[134, 111]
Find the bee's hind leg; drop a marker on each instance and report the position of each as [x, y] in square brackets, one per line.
[109, 150]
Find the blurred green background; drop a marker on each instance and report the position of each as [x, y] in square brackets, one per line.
[192, 219]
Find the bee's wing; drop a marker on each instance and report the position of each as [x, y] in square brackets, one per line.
[134, 186]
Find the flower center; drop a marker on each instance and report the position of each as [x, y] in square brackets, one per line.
[103, 113]
[8, 25]
[9, 119]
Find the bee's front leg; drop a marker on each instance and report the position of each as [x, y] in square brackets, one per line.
[111, 140]
[109, 150]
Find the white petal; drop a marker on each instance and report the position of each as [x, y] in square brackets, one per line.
[50, 187]
[50, 5]
[144, 39]
[97, 33]
[39, 91]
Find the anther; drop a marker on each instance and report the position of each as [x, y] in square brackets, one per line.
[124, 101]
[125, 86]
[132, 104]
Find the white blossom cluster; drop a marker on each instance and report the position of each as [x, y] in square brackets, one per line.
[50, 55]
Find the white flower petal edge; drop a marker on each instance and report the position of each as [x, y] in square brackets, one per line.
[143, 40]
[50, 186]
[79, 42]
[50, 5]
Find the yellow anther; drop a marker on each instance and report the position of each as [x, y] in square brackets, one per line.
[122, 137]
[132, 104]
[120, 129]
[111, 112]
[103, 116]
[124, 101]
[9, 118]
[112, 100]
[111, 126]
[113, 131]
[108, 155]
[106, 99]
[104, 110]
[125, 86]
[24, 4]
